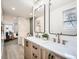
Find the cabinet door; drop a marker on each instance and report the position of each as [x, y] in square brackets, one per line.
[58, 57]
[27, 50]
[45, 54]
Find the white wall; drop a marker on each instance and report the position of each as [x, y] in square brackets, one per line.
[2, 46]
[21, 25]
[23, 29]
[7, 19]
[72, 41]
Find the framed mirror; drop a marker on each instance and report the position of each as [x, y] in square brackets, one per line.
[63, 17]
[39, 19]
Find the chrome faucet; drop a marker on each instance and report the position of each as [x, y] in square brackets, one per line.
[64, 42]
[58, 37]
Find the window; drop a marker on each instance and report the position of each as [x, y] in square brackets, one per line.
[70, 19]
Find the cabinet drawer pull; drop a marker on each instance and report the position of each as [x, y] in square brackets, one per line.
[34, 47]
[27, 43]
[49, 56]
[52, 57]
[34, 55]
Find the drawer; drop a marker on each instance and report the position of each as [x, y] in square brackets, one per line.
[36, 56]
[27, 49]
[27, 43]
[36, 49]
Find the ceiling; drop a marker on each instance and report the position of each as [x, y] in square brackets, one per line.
[59, 3]
[21, 7]
[24, 7]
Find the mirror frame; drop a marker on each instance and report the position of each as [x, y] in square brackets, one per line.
[56, 33]
[44, 18]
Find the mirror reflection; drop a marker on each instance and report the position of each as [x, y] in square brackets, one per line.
[63, 17]
[39, 19]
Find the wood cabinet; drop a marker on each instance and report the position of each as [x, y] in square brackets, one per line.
[27, 50]
[58, 57]
[34, 51]
[46, 54]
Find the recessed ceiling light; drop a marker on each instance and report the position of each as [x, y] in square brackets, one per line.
[13, 8]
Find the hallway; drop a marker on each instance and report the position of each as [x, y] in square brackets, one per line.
[12, 50]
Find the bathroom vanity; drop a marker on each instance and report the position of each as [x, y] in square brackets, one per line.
[37, 48]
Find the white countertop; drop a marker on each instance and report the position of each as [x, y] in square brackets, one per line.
[59, 49]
